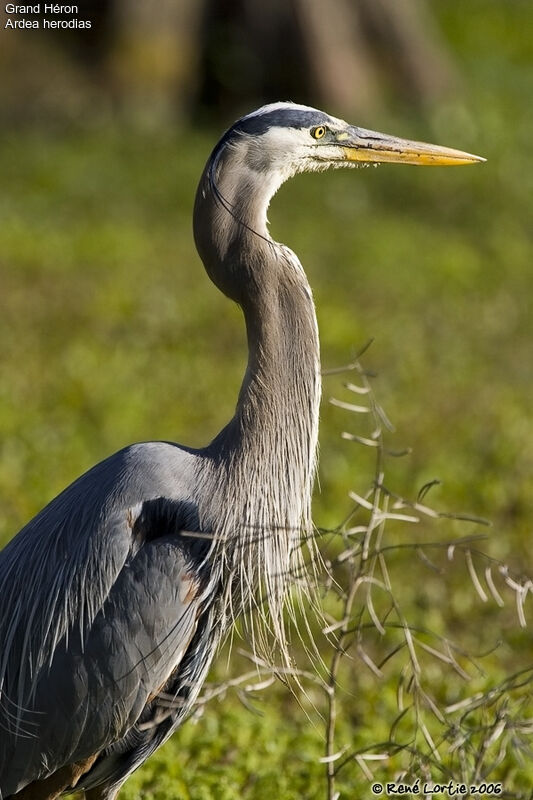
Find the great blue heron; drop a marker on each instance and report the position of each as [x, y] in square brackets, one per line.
[108, 608]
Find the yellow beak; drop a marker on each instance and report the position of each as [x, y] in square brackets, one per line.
[368, 146]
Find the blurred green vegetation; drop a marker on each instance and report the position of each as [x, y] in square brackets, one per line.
[112, 333]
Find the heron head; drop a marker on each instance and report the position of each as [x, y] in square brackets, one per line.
[282, 139]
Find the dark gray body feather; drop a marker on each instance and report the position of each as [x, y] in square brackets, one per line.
[109, 568]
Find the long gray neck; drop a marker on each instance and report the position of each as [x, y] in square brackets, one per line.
[259, 471]
[276, 419]
[268, 449]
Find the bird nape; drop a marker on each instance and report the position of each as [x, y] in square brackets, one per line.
[110, 610]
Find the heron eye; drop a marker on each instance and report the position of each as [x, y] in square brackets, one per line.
[319, 132]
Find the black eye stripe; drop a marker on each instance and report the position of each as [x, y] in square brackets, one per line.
[284, 118]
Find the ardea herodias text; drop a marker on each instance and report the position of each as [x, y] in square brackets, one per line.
[107, 608]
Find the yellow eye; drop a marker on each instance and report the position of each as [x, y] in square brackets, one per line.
[319, 132]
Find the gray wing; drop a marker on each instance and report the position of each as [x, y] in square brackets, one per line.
[100, 597]
[162, 714]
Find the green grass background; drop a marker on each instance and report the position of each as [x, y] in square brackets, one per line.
[111, 333]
